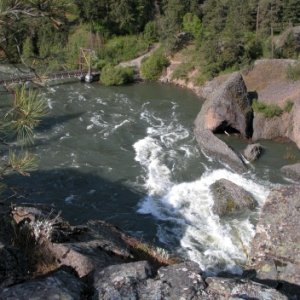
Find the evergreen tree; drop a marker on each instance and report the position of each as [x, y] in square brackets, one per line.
[291, 12]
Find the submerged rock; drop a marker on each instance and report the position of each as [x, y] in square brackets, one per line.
[58, 285]
[228, 108]
[292, 171]
[230, 198]
[212, 146]
[252, 152]
[275, 251]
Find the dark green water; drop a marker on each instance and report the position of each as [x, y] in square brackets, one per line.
[128, 155]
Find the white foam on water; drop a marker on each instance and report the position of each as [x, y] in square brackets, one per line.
[148, 154]
[70, 199]
[108, 124]
[49, 103]
[81, 98]
[203, 237]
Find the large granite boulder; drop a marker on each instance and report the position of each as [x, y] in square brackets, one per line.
[292, 171]
[227, 108]
[275, 251]
[252, 152]
[230, 198]
[213, 146]
[60, 285]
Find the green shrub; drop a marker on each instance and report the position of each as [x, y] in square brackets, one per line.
[192, 25]
[200, 78]
[182, 71]
[78, 39]
[293, 72]
[288, 106]
[151, 32]
[152, 67]
[123, 48]
[111, 75]
[268, 110]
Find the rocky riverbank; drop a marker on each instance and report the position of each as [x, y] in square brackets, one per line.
[228, 108]
[44, 257]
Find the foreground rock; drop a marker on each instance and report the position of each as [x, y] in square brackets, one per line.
[212, 146]
[181, 281]
[253, 152]
[59, 285]
[105, 263]
[275, 253]
[292, 171]
[227, 289]
[230, 198]
[227, 108]
[136, 281]
[84, 248]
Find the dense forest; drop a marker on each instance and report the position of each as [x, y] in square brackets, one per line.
[220, 34]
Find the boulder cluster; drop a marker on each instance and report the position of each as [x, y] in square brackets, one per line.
[99, 261]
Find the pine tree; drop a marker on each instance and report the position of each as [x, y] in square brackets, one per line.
[291, 12]
[25, 114]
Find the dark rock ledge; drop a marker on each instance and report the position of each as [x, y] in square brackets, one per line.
[43, 257]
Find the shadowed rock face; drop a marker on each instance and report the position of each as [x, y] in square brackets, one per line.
[292, 171]
[230, 198]
[228, 108]
[212, 146]
[59, 285]
[275, 252]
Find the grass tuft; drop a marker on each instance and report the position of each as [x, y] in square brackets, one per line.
[268, 110]
[293, 72]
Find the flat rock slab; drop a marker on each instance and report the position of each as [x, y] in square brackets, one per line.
[275, 251]
[231, 289]
[214, 147]
[230, 198]
[292, 171]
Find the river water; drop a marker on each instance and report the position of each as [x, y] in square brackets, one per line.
[128, 155]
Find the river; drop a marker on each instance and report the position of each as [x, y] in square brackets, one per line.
[128, 155]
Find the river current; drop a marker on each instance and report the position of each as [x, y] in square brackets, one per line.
[128, 155]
